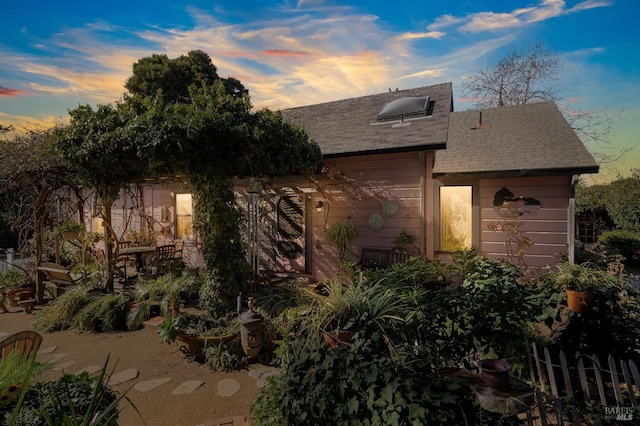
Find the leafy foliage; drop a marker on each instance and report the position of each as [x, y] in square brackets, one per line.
[625, 244]
[79, 399]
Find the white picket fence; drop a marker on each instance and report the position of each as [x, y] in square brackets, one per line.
[615, 386]
[10, 259]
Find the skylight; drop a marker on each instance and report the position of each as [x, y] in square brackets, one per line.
[403, 108]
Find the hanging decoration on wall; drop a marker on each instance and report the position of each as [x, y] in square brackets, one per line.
[390, 208]
[504, 203]
[376, 221]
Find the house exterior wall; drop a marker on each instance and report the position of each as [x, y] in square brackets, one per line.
[361, 188]
[547, 227]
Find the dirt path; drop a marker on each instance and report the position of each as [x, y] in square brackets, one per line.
[143, 352]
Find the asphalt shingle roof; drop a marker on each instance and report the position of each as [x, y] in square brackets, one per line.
[531, 138]
[348, 127]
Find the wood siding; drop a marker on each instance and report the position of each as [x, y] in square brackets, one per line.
[547, 229]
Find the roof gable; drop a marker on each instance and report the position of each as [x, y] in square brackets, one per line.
[350, 127]
[521, 139]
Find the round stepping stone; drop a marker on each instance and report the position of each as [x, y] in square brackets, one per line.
[47, 350]
[187, 387]
[256, 373]
[64, 366]
[91, 369]
[262, 381]
[123, 376]
[57, 358]
[228, 387]
[151, 384]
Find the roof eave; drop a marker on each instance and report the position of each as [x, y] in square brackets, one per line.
[519, 173]
[395, 150]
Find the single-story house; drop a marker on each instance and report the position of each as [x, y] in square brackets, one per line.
[410, 174]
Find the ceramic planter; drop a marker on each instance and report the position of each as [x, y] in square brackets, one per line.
[578, 301]
[195, 344]
[495, 373]
[337, 338]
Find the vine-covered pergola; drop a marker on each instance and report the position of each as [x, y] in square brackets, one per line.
[180, 118]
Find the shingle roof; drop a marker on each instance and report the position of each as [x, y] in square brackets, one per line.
[522, 139]
[348, 127]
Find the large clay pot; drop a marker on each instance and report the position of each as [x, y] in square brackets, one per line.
[196, 344]
[495, 373]
[337, 338]
[578, 301]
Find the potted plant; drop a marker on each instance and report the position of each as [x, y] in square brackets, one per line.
[197, 331]
[69, 230]
[13, 289]
[341, 234]
[165, 291]
[362, 306]
[582, 282]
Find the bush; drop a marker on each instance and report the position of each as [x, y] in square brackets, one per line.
[621, 243]
[359, 386]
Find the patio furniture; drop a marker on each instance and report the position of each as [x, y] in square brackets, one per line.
[22, 341]
[58, 279]
[139, 252]
[373, 258]
[165, 252]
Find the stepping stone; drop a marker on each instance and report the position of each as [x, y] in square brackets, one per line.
[228, 387]
[47, 350]
[123, 376]
[64, 366]
[187, 387]
[151, 384]
[256, 373]
[91, 369]
[262, 381]
[57, 358]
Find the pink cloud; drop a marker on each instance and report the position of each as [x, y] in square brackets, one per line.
[278, 52]
[5, 91]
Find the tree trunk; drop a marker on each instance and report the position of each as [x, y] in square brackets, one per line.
[109, 237]
[39, 215]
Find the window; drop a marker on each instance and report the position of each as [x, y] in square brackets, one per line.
[184, 217]
[456, 217]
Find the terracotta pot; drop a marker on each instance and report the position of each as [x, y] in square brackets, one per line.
[495, 373]
[578, 301]
[196, 344]
[70, 235]
[337, 338]
[16, 295]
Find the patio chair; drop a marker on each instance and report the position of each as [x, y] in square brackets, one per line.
[165, 252]
[58, 278]
[22, 341]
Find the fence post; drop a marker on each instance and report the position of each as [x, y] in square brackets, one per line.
[10, 258]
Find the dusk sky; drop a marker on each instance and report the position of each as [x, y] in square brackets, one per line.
[55, 56]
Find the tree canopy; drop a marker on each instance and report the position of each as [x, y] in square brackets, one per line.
[175, 76]
[519, 78]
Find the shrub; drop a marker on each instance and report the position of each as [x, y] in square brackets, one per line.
[621, 243]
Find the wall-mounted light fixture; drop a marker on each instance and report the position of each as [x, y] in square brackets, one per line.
[319, 206]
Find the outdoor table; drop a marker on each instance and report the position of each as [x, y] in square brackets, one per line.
[138, 252]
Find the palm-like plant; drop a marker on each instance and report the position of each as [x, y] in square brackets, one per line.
[167, 290]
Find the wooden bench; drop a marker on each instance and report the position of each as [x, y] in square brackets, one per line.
[58, 279]
[375, 258]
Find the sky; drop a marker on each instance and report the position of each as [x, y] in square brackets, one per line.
[55, 56]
